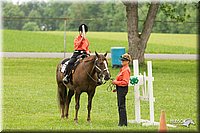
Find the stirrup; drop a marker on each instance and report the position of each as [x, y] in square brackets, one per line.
[66, 79]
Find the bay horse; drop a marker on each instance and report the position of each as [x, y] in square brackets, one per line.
[89, 74]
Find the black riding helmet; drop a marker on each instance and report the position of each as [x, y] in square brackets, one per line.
[80, 28]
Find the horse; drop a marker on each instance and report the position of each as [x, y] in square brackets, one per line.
[90, 73]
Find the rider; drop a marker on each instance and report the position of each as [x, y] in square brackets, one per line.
[81, 45]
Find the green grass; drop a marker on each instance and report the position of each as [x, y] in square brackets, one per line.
[30, 102]
[52, 41]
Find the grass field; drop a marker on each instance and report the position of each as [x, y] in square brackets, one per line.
[52, 41]
[30, 102]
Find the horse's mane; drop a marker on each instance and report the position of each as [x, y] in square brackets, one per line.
[90, 58]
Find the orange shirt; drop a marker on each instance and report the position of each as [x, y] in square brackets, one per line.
[123, 77]
[81, 44]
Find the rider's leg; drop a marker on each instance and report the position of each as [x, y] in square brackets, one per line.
[69, 66]
[68, 69]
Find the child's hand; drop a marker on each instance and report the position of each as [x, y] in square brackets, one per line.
[114, 90]
[114, 82]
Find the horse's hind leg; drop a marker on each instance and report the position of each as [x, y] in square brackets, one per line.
[62, 95]
[68, 100]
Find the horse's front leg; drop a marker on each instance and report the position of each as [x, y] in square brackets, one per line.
[77, 99]
[90, 96]
[62, 111]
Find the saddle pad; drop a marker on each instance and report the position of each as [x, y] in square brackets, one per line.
[64, 65]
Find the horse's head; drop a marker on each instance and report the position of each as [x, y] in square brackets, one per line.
[101, 66]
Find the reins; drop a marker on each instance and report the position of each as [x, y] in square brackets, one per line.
[110, 85]
[94, 66]
[88, 73]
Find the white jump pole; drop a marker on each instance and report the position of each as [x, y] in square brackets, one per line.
[147, 95]
[150, 89]
[137, 93]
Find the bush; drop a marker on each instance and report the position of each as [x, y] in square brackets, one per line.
[31, 26]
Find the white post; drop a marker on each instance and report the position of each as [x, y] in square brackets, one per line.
[144, 90]
[137, 92]
[150, 89]
[147, 97]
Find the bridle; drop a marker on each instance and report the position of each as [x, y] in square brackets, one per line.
[98, 70]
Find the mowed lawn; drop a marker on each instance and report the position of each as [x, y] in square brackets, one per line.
[30, 98]
[53, 41]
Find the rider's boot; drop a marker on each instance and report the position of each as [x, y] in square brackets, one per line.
[66, 79]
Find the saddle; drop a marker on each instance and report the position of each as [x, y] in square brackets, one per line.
[65, 62]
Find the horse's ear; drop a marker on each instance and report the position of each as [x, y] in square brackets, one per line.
[96, 54]
[105, 54]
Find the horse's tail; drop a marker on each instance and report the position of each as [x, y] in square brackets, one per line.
[62, 95]
[62, 89]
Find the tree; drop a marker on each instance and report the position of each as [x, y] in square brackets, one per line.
[11, 10]
[106, 16]
[81, 12]
[174, 11]
[31, 26]
[35, 13]
[55, 9]
[114, 17]
[138, 41]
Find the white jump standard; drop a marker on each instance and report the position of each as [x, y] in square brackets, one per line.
[147, 94]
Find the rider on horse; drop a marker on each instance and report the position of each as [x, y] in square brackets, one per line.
[81, 45]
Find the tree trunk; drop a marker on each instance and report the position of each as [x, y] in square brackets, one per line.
[137, 42]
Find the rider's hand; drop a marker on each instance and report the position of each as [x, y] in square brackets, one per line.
[83, 37]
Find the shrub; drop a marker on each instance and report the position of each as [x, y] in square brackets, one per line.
[31, 26]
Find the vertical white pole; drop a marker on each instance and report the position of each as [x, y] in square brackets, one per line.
[1, 70]
[137, 92]
[144, 90]
[65, 37]
[150, 89]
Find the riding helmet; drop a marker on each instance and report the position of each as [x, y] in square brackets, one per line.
[80, 28]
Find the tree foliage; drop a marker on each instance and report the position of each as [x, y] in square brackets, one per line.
[171, 17]
[11, 10]
[31, 26]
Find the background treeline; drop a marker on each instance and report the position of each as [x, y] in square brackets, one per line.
[99, 17]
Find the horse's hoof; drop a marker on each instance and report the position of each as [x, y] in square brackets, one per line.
[76, 121]
[88, 120]
[62, 116]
